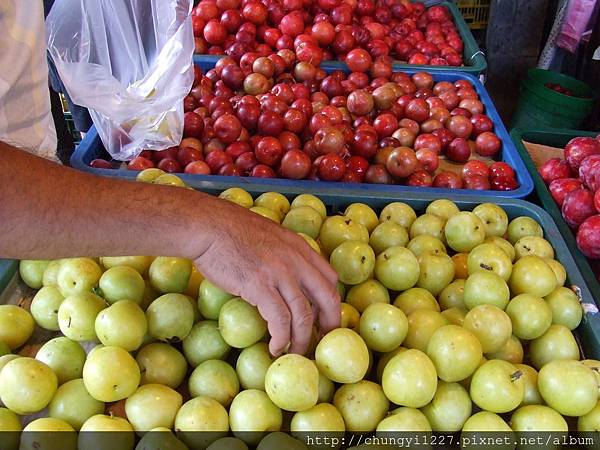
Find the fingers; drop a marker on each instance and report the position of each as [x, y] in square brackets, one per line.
[275, 311]
[324, 295]
[302, 317]
[318, 261]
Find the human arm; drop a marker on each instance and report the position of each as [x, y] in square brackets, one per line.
[48, 211]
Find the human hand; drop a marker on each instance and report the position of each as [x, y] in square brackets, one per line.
[275, 270]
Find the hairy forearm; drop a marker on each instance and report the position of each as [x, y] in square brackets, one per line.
[49, 211]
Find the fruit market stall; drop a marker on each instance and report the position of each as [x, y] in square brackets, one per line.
[449, 305]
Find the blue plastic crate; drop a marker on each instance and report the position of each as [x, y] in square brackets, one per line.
[588, 332]
[91, 148]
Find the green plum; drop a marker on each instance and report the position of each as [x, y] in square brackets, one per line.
[422, 323]
[152, 406]
[211, 299]
[275, 202]
[326, 389]
[464, 231]
[292, 383]
[530, 377]
[238, 196]
[442, 208]
[532, 275]
[51, 272]
[279, 440]
[559, 271]
[586, 424]
[44, 307]
[387, 234]
[252, 365]
[342, 356]
[533, 245]
[312, 201]
[240, 323]
[311, 242]
[497, 386]
[428, 224]
[398, 212]
[27, 385]
[383, 327]
[122, 324]
[455, 353]
[367, 293]
[201, 414]
[350, 316]
[103, 432]
[508, 248]
[303, 219]
[353, 261]
[170, 275]
[568, 387]
[455, 316]
[436, 271]
[78, 275]
[397, 268]
[512, 351]
[490, 258]
[565, 307]
[10, 427]
[530, 315]
[338, 229]
[215, 379]
[539, 418]
[163, 438]
[32, 272]
[169, 179]
[486, 288]
[141, 264]
[170, 317]
[490, 325]
[149, 175]
[521, 227]
[48, 433]
[425, 243]
[414, 299]
[404, 419]
[110, 374]
[410, 379]
[64, 356]
[362, 405]
[363, 214]
[450, 408]
[162, 364]
[266, 213]
[16, 325]
[252, 414]
[453, 295]
[384, 359]
[77, 315]
[122, 283]
[320, 418]
[493, 217]
[205, 342]
[73, 404]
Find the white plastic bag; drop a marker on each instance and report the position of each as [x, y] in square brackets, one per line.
[130, 63]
